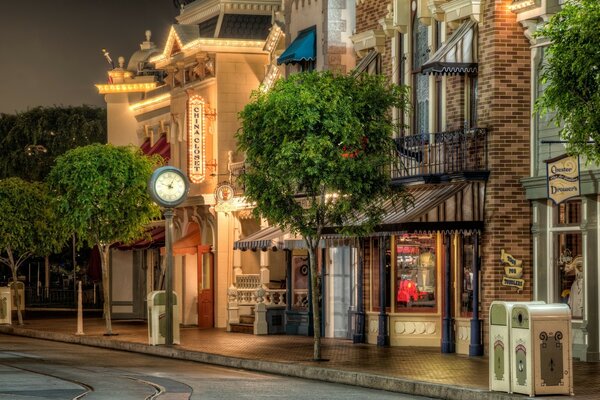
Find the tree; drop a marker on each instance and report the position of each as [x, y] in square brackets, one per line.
[572, 75]
[29, 225]
[31, 140]
[102, 196]
[318, 149]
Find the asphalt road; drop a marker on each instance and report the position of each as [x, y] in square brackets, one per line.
[39, 369]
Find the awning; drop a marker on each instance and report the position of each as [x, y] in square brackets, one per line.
[458, 56]
[187, 244]
[161, 147]
[303, 48]
[154, 237]
[270, 238]
[363, 65]
[424, 199]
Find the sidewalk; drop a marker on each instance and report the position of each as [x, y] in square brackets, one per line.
[420, 371]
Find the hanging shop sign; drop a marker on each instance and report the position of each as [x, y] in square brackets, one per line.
[224, 194]
[513, 271]
[196, 139]
[563, 178]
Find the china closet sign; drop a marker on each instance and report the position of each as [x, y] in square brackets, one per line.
[563, 178]
[196, 139]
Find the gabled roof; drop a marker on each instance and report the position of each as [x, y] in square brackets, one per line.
[179, 36]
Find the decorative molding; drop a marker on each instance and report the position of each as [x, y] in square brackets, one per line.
[387, 22]
[126, 87]
[371, 39]
[436, 10]
[415, 328]
[458, 10]
[401, 15]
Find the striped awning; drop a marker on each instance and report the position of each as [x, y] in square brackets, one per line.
[270, 238]
[458, 55]
[425, 198]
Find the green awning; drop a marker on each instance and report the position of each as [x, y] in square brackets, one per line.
[303, 48]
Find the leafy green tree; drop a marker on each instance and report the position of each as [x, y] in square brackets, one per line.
[31, 140]
[572, 75]
[318, 150]
[102, 197]
[29, 225]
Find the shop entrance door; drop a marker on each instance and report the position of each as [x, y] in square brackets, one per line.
[205, 287]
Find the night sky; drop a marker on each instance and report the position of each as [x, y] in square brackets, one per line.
[51, 50]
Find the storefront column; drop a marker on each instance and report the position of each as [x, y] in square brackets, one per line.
[359, 327]
[448, 345]
[311, 322]
[323, 295]
[288, 280]
[475, 347]
[383, 339]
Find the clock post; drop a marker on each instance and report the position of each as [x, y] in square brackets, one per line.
[168, 187]
[168, 213]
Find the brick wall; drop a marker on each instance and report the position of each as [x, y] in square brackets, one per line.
[504, 107]
[455, 102]
[368, 14]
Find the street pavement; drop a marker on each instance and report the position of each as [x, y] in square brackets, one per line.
[413, 370]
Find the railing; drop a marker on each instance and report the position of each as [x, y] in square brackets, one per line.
[441, 153]
[62, 298]
[249, 291]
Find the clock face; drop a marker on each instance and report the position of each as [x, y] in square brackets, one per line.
[169, 186]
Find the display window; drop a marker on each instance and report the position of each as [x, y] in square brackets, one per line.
[466, 276]
[415, 272]
[567, 246]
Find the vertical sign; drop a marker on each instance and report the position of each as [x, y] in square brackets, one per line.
[196, 139]
[563, 178]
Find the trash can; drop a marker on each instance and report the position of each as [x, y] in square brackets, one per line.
[5, 305]
[157, 321]
[21, 292]
[540, 344]
[499, 346]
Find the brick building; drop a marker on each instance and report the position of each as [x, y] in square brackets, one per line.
[464, 147]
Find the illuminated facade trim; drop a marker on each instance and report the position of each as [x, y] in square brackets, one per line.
[150, 101]
[125, 87]
[210, 42]
[196, 139]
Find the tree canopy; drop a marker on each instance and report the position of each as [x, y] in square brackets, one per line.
[318, 149]
[101, 191]
[571, 75]
[31, 140]
[29, 225]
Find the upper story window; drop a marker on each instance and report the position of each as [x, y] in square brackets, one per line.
[420, 82]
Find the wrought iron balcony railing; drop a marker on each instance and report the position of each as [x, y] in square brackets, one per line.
[442, 153]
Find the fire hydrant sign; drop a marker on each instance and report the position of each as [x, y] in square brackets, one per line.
[563, 178]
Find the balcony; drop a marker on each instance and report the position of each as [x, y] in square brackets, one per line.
[442, 156]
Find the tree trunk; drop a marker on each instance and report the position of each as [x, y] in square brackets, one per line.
[46, 276]
[312, 254]
[104, 258]
[14, 267]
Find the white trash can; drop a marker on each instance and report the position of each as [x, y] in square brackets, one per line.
[540, 344]
[21, 292]
[5, 305]
[499, 346]
[157, 322]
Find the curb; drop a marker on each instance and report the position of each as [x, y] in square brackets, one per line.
[366, 380]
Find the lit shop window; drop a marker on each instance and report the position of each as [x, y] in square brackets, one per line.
[415, 272]
[466, 276]
[568, 260]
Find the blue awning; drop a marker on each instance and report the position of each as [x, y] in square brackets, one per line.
[303, 48]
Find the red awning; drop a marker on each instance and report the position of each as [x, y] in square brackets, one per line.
[187, 244]
[154, 237]
[161, 147]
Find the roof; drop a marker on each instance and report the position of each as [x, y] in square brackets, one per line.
[244, 26]
[458, 55]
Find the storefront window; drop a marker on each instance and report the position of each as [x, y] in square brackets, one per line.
[415, 272]
[568, 260]
[466, 281]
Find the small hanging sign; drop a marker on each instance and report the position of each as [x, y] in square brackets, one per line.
[563, 178]
[513, 271]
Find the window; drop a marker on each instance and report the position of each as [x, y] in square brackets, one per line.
[420, 82]
[415, 272]
[466, 276]
[567, 255]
